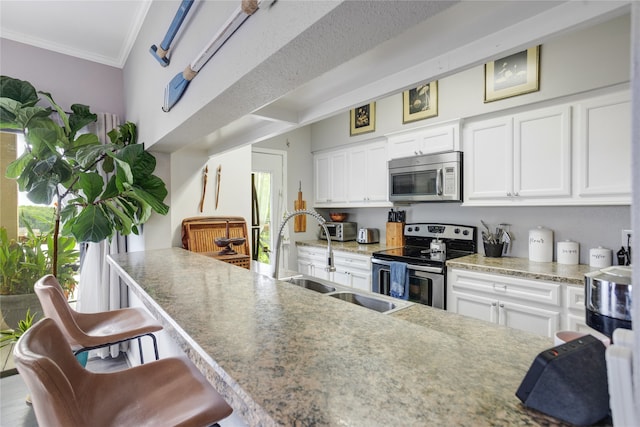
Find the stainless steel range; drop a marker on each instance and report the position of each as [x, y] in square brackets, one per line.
[427, 247]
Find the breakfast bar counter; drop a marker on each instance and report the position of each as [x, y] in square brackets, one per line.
[284, 355]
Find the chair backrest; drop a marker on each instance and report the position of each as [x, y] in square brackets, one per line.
[55, 305]
[199, 233]
[52, 374]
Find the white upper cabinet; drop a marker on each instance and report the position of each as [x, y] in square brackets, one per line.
[488, 159]
[542, 153]
[570, 154]
[604, 148]
[518, 158]
[352, 177]
[367, 174]
[330, 172]
[425, 140]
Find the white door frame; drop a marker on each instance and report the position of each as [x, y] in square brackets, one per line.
[279, 201]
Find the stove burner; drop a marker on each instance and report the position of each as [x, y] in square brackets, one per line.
[460, 240]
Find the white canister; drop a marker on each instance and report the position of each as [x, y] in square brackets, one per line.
[568, 252]
[541, 244]
[600, 257]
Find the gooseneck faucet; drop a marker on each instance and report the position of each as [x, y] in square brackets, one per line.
[330, 267]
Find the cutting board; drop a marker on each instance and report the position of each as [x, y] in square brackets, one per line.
[300, 221]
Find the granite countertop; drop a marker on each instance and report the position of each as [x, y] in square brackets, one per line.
[284, 355]
[352, 246]
[522, 267]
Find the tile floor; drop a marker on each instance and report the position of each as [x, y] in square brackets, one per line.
[14, 412]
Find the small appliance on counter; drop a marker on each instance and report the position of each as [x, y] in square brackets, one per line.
[340, 231]
[368, 235]
[608, 299]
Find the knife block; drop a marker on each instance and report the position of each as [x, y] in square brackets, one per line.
[395, 234]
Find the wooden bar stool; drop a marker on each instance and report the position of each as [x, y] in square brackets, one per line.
[88, 331]
[167, 392]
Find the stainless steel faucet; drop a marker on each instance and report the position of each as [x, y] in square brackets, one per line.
[330, 267]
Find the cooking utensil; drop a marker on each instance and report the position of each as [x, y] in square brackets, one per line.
[300, 221]
[204, 187]
[218, 176]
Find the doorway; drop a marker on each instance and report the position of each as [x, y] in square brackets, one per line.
[268, 201]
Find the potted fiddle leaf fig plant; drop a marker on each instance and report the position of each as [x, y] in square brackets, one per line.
[64, 165]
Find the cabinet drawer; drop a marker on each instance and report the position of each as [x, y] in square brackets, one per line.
[309, 252]
[502, 287]
[575, 298]
[352, 261]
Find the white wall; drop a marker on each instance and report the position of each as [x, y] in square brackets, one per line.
[570, 67]
[69, 80]
[297, 144]
[591, 226]
[581, 61]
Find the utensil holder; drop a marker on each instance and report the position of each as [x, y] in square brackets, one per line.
[493, 250]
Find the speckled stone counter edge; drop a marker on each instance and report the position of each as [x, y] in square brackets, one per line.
[242, 404]
[522, 267]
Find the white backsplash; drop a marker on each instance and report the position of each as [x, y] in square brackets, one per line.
[590, 226]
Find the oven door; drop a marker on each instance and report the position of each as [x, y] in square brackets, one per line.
[426, 284]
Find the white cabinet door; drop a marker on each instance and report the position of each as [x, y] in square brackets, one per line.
[312, 262]
[322, 180]
[528, 305]
[542, 153]
[367, 174]
[488, 159]
[352, 270]
[338, 179]
[330, 172]
[435, 138]
[527, 318]
[474, 306]
[403, 145]
[604, 148]
[376, 176]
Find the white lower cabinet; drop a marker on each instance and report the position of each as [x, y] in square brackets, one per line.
[352, 270]
[313, 262]
[528, 305]
[575, 319]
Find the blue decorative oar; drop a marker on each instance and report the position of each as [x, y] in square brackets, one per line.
[160, 53]
[178, 85]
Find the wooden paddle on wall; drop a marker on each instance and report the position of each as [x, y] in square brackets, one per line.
[300, 221]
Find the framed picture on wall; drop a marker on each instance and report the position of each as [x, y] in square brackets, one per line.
[363, 119]
[512, 75]
[420, 103]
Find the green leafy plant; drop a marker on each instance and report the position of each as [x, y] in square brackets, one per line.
[23, 262]
[63, 166]
[11, 336]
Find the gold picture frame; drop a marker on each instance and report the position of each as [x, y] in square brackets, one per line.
[420, 102]
[512, 75]
[363, 119]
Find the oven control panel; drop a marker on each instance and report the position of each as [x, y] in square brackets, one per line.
[443, 231]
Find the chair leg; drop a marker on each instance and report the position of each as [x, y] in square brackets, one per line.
[140, 350]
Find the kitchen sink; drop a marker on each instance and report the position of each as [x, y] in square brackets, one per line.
[312, 285]
[372, 303]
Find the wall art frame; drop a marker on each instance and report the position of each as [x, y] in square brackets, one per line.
[512, 75]
[420, 102]
[363, 119]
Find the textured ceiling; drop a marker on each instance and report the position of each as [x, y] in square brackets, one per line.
[102, 31]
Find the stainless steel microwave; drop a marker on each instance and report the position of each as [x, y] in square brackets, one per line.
[426, 178]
